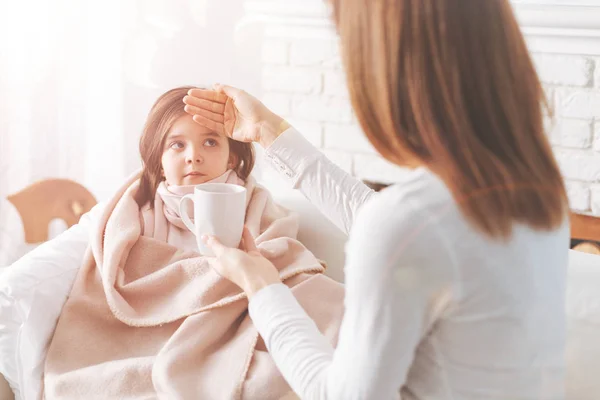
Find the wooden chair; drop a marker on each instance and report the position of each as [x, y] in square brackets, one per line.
[585, 230]
[43, 201]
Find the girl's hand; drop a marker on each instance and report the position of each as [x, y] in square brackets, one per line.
[234, 113]
[245, 267]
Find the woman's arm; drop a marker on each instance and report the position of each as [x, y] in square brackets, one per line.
[334, 192]
[45, 274]
[392, 280]
[235, 113]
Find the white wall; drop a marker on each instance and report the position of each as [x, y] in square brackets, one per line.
[303, 80]
[81, 117]
[564, 36]
[191, 42]
[573, 83]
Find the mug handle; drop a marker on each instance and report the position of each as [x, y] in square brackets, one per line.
[183, 212]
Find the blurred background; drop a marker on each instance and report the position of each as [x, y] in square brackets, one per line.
[77, 78]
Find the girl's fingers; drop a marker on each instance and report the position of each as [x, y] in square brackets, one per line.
[212, 125]
[207, 114]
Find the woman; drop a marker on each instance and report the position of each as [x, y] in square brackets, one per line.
[456, 275]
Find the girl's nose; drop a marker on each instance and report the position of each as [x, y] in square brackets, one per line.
[194, 157]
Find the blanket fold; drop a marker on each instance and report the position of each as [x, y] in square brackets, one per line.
[146, 320]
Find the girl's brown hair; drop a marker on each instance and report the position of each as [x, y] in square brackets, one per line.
[449, 84]
[166, 110]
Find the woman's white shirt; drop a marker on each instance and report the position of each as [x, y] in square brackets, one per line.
[433, 310]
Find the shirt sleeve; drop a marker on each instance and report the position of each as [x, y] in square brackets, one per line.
[335, 193]
[391, 279]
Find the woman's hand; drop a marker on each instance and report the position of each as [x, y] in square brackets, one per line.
[234, 113]
[245, 267]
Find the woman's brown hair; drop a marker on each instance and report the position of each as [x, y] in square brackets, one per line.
[166, 110]
[449, 84]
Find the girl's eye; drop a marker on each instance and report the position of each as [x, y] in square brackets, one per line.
[177, 145]
[210, 142]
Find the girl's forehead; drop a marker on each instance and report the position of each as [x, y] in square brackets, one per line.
[185, 126]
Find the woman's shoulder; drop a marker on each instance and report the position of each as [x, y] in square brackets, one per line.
[405, 212]
[418, 192]
[398, 229]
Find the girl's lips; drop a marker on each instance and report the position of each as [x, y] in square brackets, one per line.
[195, 173]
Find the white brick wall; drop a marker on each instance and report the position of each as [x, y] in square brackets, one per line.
[278, 103]
[292, 80]
[573, 81]
[275, 51]
[318, 51]
[304, 81]
[322, 108]
[597, 72]
[597, 135]
[579, 165]
[579, 196]
[581, 103]
[564, 70]
[571, 133]
[335, 83]
[348, 137]
[595, 193]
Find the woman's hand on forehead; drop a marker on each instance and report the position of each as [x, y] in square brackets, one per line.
[234, 113]
[207, 107]
[208, 95]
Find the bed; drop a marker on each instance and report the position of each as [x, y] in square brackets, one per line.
[583, 293]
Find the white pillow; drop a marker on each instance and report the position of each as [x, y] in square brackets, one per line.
[12, 235]
[583, 326]
[33, 291]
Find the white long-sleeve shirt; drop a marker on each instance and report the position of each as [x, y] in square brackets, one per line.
[434, 310]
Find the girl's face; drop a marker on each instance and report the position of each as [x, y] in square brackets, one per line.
[194, 154]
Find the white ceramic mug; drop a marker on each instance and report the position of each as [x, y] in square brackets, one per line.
[219, 210]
